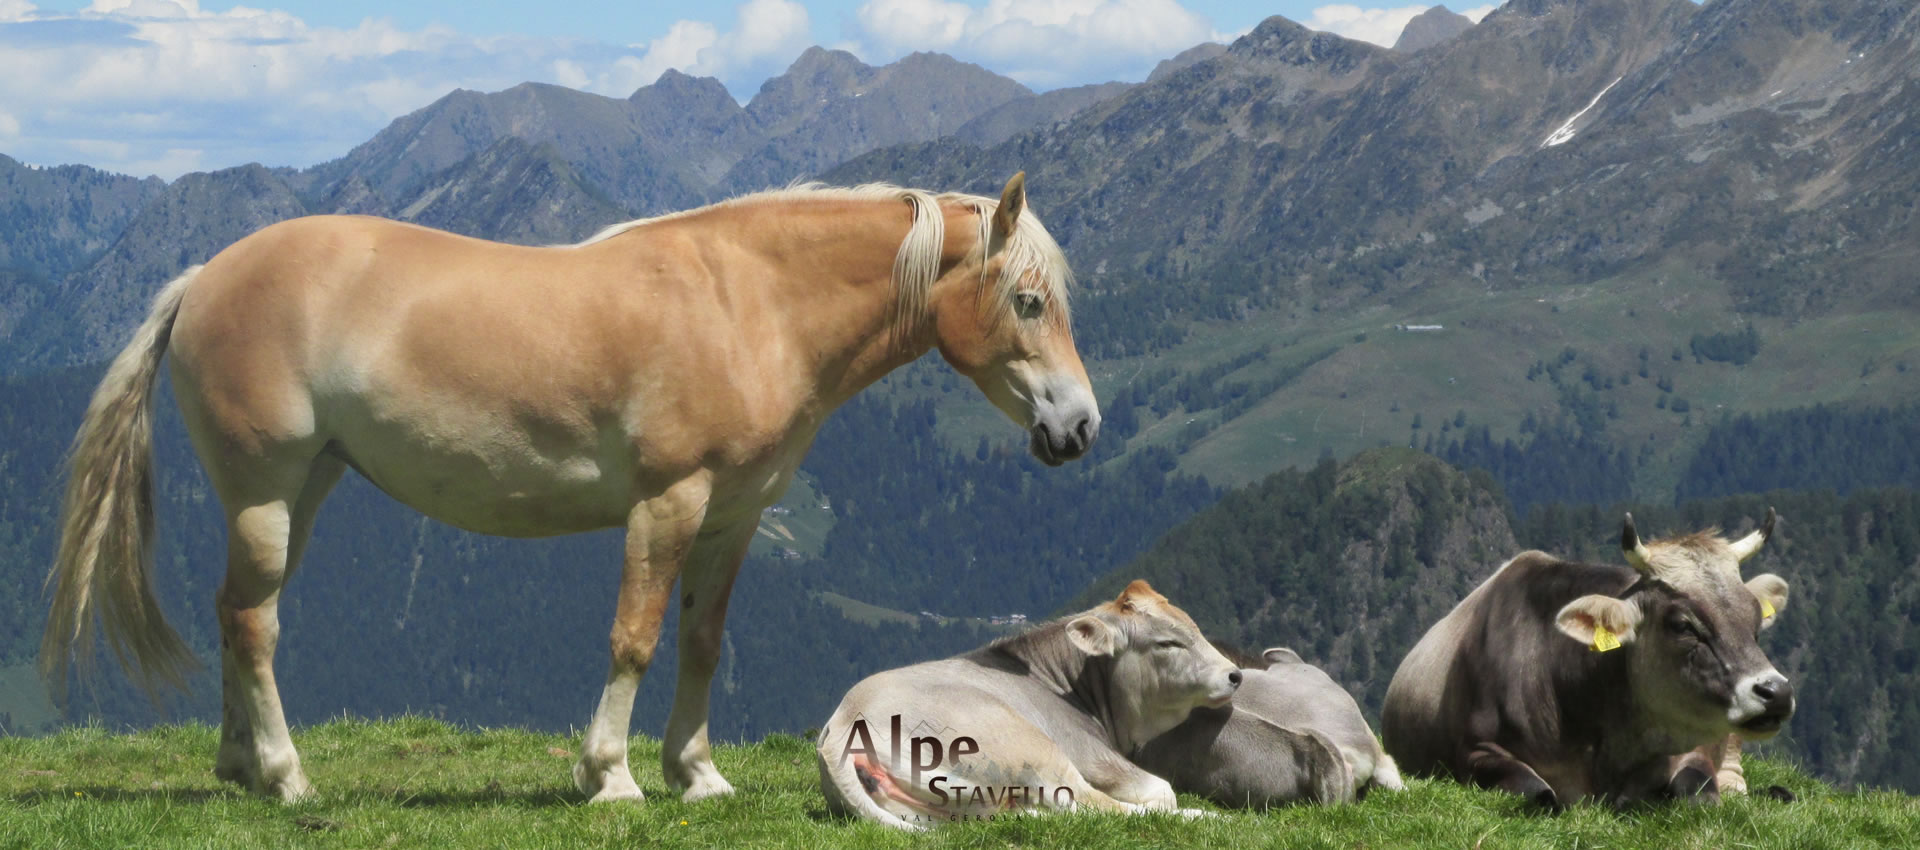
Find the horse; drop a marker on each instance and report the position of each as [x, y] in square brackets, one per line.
[666, 375]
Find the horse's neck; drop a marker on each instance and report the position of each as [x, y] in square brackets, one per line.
[836, 285]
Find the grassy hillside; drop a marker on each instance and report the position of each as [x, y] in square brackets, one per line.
[417, 783]
[1379, 380]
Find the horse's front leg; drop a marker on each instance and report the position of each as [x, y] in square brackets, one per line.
[660, 531]
[705, 585]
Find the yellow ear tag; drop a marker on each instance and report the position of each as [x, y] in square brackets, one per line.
[1603, 639]
[1766, 608]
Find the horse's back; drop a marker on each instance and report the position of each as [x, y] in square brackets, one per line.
[501, 388]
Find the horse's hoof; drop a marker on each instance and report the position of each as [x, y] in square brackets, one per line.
[629, 794]
[233, 774]
[712, 785]
[602, 786]
[293, 789]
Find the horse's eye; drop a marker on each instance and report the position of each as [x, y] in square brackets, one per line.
[1027, 305]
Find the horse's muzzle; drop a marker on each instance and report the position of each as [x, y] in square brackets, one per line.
[1055, 445]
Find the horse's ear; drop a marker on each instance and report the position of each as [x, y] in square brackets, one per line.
[1013, 200]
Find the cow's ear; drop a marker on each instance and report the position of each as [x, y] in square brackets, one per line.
[1281, 655]
[1093, 636]
[1599, 621]
[1771, 590]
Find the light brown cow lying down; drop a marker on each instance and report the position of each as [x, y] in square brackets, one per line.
[1038, 721]
[1292, 735]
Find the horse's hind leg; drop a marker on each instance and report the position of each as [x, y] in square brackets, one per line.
[705, 585]
[267, 531]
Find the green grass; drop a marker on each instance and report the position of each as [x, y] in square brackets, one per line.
[417, 783]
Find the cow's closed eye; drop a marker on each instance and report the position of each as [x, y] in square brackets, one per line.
[1169, 643]
[1684, 627]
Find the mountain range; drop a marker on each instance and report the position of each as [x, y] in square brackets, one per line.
[533, 164]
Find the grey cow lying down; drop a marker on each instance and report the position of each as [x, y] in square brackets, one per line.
[1560, 681]
[1292, 735]
[1038, 721]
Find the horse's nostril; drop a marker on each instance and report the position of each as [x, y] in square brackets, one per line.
[1234, 678]
[1084, 430]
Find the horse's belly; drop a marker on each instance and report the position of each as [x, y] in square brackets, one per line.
[494, 482]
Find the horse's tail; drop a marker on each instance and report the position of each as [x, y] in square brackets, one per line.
[103, 573]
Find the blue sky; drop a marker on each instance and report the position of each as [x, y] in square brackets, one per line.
[169, 86]
[833, 20]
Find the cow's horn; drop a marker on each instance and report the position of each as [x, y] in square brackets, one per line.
[1746, 546]
[1635, 551]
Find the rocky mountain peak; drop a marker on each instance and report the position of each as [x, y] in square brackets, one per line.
[820, 69]
[679, 101]
[1185, 59]
[1278, 40]
[1431, 27]
[682, 87]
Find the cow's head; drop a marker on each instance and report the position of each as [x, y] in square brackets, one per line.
[1162, 667]
[1691, 628]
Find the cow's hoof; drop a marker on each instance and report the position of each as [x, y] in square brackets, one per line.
[1544, 798]
[1692, 783]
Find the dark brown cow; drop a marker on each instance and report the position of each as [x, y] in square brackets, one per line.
[1558, 680]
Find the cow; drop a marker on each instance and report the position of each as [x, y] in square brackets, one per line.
[1036, 721]
[1291, 735]
[1563, 681]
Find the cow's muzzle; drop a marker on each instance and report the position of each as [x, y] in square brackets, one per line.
[1772, 695]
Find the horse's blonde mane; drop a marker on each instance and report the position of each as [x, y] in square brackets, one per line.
[1031, 253]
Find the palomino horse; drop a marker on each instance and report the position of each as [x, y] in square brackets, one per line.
[666, 375]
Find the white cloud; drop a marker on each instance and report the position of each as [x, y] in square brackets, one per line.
[679, 48]
[159, 86]
[1043, 43]
[1379, 26]
[1373, 23]
[767, 34]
